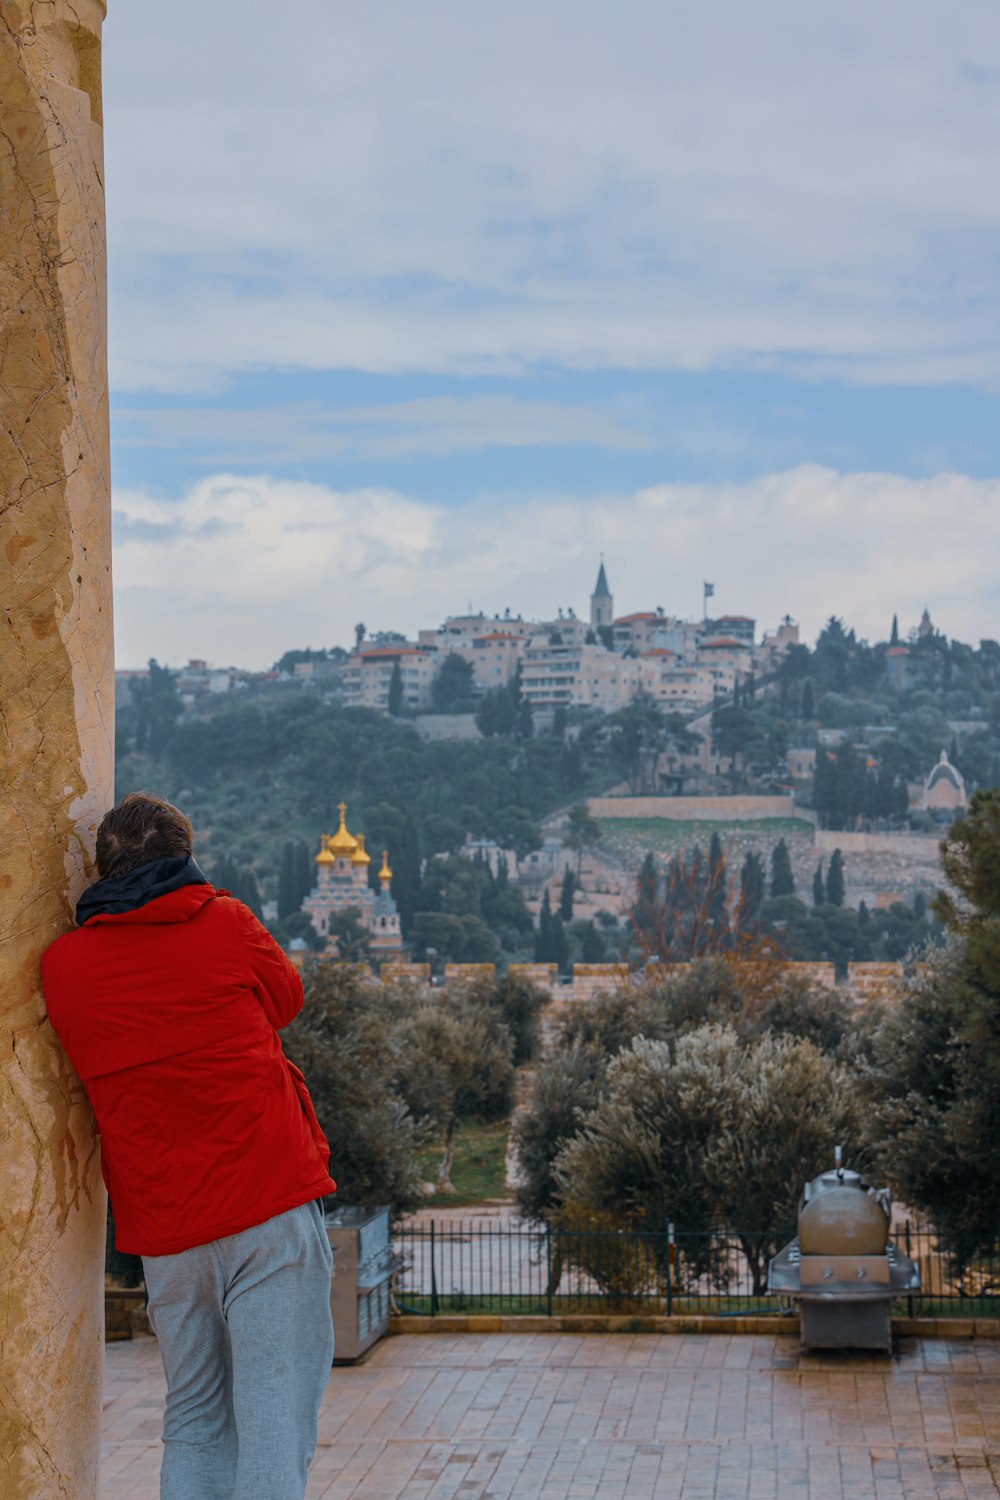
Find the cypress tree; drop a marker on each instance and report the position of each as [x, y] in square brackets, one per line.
[808, 702]
[305, 869]
[566, 895]
[593, 945]
[288, 885]
[558, 945]
[752, 888]
[835, 879]
[718, 885]
[782, 879]
[396, 690]
[295, 879]
[406, 873]
[543, 936]
[647, 894]
[250, 893]
[819, 886]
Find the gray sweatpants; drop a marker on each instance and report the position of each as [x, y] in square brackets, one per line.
[246, 1340]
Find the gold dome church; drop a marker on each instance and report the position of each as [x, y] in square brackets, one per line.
[342, 866]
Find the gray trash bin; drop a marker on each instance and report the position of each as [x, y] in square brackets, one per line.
[363, 1267]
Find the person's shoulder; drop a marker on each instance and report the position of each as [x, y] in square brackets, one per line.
[227, 910]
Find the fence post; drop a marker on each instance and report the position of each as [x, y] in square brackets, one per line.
[434, 1294]
[909, 1300]
[670, 1268]
[548, 1269]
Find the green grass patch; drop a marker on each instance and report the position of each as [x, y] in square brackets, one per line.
[670, 834]
[477, 1172]
[594, 1304]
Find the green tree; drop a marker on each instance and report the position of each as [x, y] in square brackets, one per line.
[295, 879]
[566, 1088]
[346, 1039]
[934, 1105]
[298, 925]
[734, 731]
[518, 1005]
[645, 913]
[559, 944]
[711, 1131]
[157, 707]
[566, 893]
[819, 886]
[808, 702]
[406, 868]
[835, 879]
[782, 879]
[452, 687]
[543, 936]
[457, 1062]
[752, 888]
[497, 712]
[354, 941]
[396, 690]
[592, 945]
[239, 880]
[582, 831]
[718, 883]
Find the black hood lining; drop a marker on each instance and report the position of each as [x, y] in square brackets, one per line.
[140, 886]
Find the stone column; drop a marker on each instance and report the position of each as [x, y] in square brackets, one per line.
[56, 726]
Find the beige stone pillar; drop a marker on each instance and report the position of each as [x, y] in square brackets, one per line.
[56, 700]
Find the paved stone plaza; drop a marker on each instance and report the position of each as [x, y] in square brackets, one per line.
[575, 1416]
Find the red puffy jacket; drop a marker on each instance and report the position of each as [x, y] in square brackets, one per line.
[170, 1014]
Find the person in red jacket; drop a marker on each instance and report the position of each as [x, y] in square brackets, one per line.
[168, 998]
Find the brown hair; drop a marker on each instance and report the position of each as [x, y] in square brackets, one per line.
[140, 828]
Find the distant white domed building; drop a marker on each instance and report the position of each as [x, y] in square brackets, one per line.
[944, 789]
[342, 885]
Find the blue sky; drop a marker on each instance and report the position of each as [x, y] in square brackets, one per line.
[412, 306]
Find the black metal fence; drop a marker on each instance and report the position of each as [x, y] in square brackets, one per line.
[513, 1266]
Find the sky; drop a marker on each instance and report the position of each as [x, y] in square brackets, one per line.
[417, 307]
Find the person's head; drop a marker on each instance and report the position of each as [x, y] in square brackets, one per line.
[138, 829]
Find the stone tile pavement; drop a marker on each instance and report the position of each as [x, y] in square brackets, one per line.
[620, 1417]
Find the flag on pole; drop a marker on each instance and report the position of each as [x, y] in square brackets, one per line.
[709, 590]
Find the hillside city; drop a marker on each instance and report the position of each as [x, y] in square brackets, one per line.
[514, 778]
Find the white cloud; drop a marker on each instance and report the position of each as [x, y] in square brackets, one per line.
[455, 187]
[237, 570]
[431, 425]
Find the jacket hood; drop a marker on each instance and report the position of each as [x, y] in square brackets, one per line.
[146, 883]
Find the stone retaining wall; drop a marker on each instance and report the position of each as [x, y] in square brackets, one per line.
[692, 809]
[919, 847]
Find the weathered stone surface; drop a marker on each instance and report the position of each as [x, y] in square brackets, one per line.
[56, 684]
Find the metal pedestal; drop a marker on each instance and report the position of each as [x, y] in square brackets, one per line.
[846, 1325]
[363, 1267]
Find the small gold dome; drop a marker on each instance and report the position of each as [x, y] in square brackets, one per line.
[343, 843]
[361, 855]
[324, 857]
[385, 873]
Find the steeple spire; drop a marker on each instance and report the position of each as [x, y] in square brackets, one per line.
[602, 604]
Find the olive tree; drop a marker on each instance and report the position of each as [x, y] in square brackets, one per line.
[710, 1131]
[346, 1041]
[456, 1060]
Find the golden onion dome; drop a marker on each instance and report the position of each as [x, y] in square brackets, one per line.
[361, 855]
[324, 857]
[385, 873]
[342, 844]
